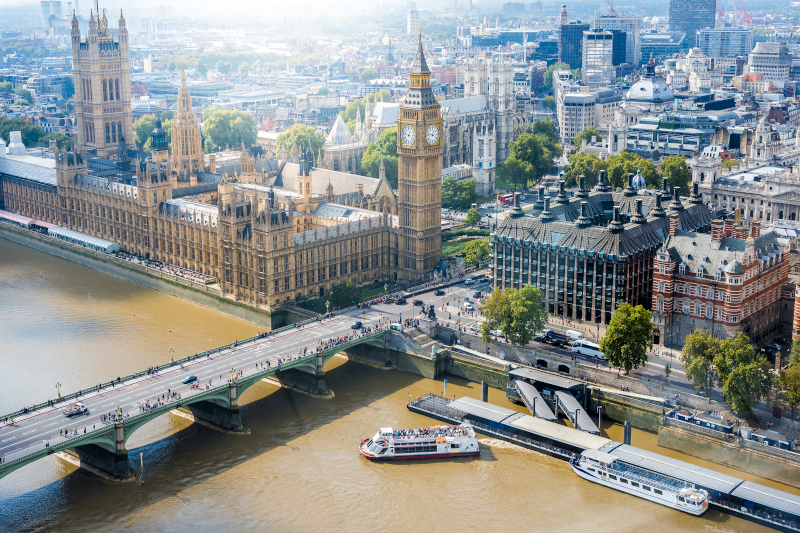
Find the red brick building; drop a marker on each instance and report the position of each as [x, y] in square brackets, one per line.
[724, 282]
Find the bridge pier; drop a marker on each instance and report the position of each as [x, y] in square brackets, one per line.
[216, 415]
[304, 381]
[111, 465]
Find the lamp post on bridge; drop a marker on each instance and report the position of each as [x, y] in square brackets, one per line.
[171, 356]
[327, 306]
[58, 387]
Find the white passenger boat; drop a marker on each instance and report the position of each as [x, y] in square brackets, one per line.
[607, 470]
[424, 443]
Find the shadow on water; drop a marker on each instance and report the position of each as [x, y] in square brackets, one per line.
[192, 455]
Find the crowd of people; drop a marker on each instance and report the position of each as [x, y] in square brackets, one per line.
[174, 270]
[432, 432]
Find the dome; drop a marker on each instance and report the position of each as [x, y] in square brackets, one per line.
[734, 268]
[650, 90]
[158, 138]
[638, 181]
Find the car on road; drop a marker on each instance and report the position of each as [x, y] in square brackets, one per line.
[438, 292]
[540, 338]
[557, 343]
[357, 325]
[400, 301]
[419, 303]
[75, 409]
[389, 301]
[477, 328]
[476, 294]
[468, 306]
[585, 347]
[189, 379]
[469, 281]
[496, 333]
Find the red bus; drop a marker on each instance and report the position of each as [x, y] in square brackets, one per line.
[507, 199]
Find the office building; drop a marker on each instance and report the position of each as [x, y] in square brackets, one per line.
[661, 44]
[412, 22]
[725, 42]
[772, 60]
[619, 55]
[632, 26]
[570, 44]
[691, 16]
[597, 67]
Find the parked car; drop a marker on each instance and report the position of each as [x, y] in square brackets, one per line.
[419, 303]
[475, 327]
[540, 338]
[357, 325]
[400, 301]
[574, 335]
[438, 292]
[189, 379]
[496, 333]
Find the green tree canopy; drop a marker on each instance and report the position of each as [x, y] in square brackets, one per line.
[628, 337]
[790, 384]
[224, 129]
[549, 102]
[459, 194]
[546, 127]
[528, 160]
[368, 74]
[63, 141]
[371, 164]
[519, 314]
[794, 355]
[472, 218]
[619, 166]
[167, 115]
[730, 163]
[675, 168]
[25, 94]
[31, 135]
[142, 129]
[697, 358]
[6, 87]
[243, 70]
[224, 67]
[587, 134]
[548, 74]
[476, 251]
[346, 293]
[323, 90]
[586, 165]
[743, 373]
[301, 135]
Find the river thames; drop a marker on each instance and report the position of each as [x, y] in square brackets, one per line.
[300, 469]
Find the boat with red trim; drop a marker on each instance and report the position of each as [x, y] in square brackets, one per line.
[423, 443]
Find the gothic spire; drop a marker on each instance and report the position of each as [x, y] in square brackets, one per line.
[420, 65]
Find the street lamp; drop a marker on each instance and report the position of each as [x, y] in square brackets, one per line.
[599, 416]
[58, 387]
[327, 306]
[171, 351]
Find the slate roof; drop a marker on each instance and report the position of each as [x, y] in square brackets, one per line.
[385, 114]
[693, 250]
[470, 104]
[342, 182]
[30, 171]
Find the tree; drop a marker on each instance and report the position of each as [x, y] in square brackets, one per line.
[476, 252]
[619, 166]
[472, 218]
[30, 134]
[371, 164]
[167, 115]
[548, 74]
[587, 134]
[459, 194]
[527, 161]
[224, 67]
[794, 355]
[346, 293]
[323, 90]
[387, 142]
[243, 70]
[368, 74]
[62, 141]
[142, 129]
[675, 168]
[545, 127]
[519, 314]
[586, 165]
[790, 384]
[25, 94]
[301, 135]
[743, 373]
[6, 87]
[628, 337]
[576, 74]
[697, 358]
[730, 163]
[549, 103]
[224, 129]
[667, 370]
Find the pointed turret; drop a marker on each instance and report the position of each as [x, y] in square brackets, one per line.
[420, 65]
[382, 170]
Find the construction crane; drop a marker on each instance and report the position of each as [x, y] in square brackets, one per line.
[744, 15]
[611, 6]
[720, 14]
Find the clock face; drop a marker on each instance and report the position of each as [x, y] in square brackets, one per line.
[433, 135]
[408, 135]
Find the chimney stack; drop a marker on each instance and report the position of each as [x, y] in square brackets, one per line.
[756, 229]
[728, 228]
[673, 223]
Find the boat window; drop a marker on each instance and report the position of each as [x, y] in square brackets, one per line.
[680, 499]
[591, 469]
[657, 491]
[623, 480]
[634, 484]
[612, 477]
[454, 445]
[645, 487]
[383, 451]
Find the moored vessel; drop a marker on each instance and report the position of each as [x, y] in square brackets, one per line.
[423, 443]
[607, 470]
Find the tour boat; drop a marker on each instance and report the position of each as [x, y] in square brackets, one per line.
[607, 470]
[425, 443]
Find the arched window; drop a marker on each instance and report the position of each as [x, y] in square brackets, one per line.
[108, 132]
[105, 91]
[116, 87]
[702, 176]
[113, 132]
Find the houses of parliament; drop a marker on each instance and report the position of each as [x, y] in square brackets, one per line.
[268, 239]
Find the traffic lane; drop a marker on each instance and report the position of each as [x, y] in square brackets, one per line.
[32, 429]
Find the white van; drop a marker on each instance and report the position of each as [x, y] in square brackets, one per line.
[574, 335]
[588, 348]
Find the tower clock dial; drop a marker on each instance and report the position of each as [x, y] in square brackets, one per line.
[433, 135]
[408, 135]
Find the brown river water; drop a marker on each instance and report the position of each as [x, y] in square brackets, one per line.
[300, 469]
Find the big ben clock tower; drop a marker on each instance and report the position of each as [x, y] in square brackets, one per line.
[419, 167]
